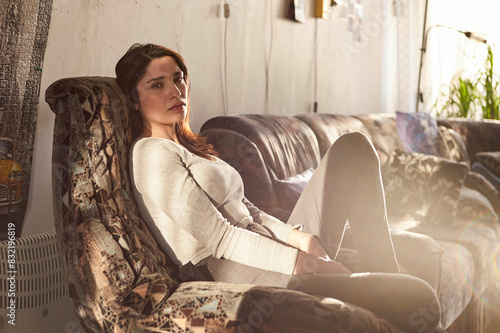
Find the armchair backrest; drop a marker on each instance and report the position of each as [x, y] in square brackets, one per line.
[117, 274]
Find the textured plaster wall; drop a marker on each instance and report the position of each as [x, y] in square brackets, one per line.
[87, 37]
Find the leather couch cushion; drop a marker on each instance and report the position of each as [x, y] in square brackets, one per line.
[245, 157]
[329, 127]
[290, 189]
[382, 129]
[288, 146]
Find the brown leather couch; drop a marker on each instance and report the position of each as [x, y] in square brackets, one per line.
[268, 148]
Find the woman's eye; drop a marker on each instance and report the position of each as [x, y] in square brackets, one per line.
[156, 85]
[179, 79]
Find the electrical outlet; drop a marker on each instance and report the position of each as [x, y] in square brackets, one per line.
[226, 10]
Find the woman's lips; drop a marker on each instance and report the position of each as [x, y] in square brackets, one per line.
[178, 106]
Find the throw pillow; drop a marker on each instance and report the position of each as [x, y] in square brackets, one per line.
[290, 189]
[491, 160]
[418, 132]
[425, 187]
[451, 145]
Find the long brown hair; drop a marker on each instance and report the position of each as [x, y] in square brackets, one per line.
[129, 71]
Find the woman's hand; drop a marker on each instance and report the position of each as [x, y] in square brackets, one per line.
[307, 243]
[312, 257]
[308, 264]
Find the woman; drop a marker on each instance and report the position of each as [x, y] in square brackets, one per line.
[194, 203]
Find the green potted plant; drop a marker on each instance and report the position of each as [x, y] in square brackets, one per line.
[470, 97]
[491, 98]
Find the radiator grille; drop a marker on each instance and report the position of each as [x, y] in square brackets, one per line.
[40, 278]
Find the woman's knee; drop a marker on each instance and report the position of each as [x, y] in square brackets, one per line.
[423, 311]
[355, 145]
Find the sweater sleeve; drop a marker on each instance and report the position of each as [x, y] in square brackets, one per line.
[279, 228]
[186, 204]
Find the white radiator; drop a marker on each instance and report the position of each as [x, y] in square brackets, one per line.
[33, 290]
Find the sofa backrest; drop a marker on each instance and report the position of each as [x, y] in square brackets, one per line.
[380, 128]
[478, 136]
[263, 149]
[328, 127]
[383, 132]
[288, 146]
[117, 275]
[267, 148]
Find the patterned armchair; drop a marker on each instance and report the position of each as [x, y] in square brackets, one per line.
[119, 280]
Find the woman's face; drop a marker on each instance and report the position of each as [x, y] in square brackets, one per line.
[163, 95]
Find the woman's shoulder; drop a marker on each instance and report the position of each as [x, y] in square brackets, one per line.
[155, 147]
[155, 143]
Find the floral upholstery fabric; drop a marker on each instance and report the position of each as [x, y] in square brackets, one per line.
[451, 145]
[424, 186]
[119, 280]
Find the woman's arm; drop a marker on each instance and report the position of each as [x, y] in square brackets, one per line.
[279, 228]
[307, 243]
[288, 233]
[312, 257]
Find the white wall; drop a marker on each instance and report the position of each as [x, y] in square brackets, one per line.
[87, 37]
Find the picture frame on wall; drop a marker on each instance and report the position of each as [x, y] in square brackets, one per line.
[297, 11]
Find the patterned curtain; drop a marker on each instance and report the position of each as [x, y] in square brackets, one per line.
[24, 26]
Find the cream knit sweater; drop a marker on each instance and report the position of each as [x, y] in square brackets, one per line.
[196, 208]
